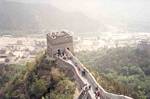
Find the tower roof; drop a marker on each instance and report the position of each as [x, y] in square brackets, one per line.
[59, 37]
[61, 34]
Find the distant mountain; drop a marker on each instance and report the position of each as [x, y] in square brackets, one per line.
[22, 18]
[29, 17]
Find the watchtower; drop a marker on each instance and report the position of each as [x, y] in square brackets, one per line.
[59, 41]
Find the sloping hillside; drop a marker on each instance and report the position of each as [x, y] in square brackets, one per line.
[121, 70]
[30, 17]
[41, 79]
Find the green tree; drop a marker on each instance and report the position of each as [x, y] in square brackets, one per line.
[38, 87]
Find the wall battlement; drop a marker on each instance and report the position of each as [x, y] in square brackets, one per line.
[57, 38]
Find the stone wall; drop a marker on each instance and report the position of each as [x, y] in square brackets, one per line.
[60, 40]
[94, 83]
[79, 81]
[63, 47]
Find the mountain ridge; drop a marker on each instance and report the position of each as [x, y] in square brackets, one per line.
[38, 17]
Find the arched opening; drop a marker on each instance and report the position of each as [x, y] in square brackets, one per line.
[68, 48]
[58, 52]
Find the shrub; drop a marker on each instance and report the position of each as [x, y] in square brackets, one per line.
[38, 87]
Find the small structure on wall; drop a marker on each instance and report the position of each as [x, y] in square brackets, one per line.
[59, 41]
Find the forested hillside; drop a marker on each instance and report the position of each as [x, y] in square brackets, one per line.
[121, 70]
[39, 80]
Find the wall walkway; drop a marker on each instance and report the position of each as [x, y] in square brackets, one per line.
[76, 66]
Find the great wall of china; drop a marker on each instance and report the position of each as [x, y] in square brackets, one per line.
[87, 79]
[63, 42]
